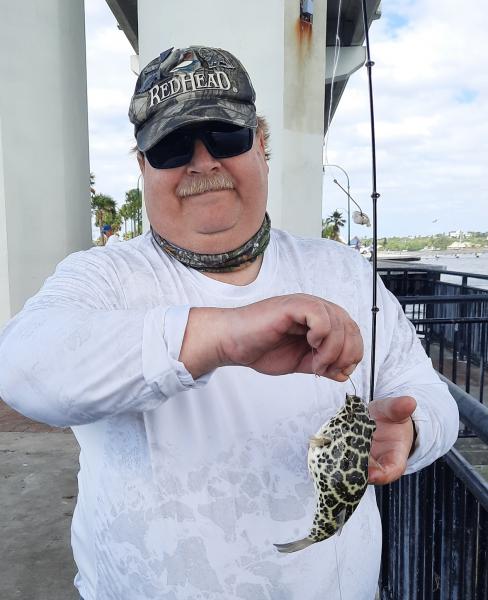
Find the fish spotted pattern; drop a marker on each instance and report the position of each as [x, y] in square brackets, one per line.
[338, 463]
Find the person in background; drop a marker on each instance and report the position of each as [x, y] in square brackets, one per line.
[110, 236]
[235, 342]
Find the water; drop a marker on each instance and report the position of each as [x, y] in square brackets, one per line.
[466, 263]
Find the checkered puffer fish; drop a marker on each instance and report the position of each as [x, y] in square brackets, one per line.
[338, 463]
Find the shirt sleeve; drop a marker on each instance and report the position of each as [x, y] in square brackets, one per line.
[76, 354]
[406, 370]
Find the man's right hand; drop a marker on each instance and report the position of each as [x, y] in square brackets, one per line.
[297, 333]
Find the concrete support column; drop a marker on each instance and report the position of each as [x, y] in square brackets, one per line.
[286, 61]
[44, 168]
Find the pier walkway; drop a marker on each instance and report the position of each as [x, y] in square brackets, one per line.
[38, 467]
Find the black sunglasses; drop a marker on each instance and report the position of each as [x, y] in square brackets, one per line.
[222, 140]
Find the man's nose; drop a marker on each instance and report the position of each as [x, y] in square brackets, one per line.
[202, 161]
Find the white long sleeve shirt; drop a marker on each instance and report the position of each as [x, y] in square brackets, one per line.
[185, 485]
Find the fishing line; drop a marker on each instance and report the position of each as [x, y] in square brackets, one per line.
[352, 383]
[325, 161]
[337, 52]
[317, 385]
[337, 566]
[317, 404]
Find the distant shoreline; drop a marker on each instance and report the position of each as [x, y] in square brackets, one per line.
[432, 253]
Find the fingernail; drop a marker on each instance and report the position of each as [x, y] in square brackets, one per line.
[375, 463]
[349, 371]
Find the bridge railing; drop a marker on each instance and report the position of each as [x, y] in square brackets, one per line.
[435, 522]
[451, 319]
[435, 525]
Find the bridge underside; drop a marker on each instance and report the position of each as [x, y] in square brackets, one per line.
[350, 32]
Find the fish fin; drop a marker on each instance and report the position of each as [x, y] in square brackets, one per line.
[341, 519]
[319, 441]
[294, 546]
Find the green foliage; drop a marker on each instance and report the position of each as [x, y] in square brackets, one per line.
[117, 222]
[326, 230]
[131, 212]
[104, 209]
[332, 224]
[439, 241]
[92, 184]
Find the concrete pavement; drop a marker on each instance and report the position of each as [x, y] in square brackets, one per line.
[38, 467]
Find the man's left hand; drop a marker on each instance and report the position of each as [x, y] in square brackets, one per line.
[393, 438]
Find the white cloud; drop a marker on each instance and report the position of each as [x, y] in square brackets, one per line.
[430, 87]
[107, 100]
[110, 87]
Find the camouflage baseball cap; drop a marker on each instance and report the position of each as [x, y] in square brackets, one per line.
[189, 85]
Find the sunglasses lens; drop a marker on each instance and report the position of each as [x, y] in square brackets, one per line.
[175, 150]
[222, 140]
[228, 142]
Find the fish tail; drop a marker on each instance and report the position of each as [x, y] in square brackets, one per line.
[295, 546]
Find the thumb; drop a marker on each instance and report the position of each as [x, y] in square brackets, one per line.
[396, 410]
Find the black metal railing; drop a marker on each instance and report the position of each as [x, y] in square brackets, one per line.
[451, 320]
[435, 522]
[454, 333]
[435, 525]
[420, 279]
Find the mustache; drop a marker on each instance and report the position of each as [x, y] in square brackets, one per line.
[207, 183]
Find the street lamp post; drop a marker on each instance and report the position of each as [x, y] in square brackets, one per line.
[348, 201]
[350, 198]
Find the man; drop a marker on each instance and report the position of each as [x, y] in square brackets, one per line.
[194, 430]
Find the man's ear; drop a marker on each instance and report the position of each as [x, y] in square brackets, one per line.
[261, 145]
[142, 162]
[260, 140]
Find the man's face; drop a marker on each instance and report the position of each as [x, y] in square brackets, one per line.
[216, 220]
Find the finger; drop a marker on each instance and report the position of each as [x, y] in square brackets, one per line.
[336, 339]
[330, 349]
[351, 354]
[374, 464]
[340, 376]
[395, 410]
[376, 470]
[387, 468]
[319, 324]
[332, 345]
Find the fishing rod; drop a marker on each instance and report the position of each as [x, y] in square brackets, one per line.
[374, 196]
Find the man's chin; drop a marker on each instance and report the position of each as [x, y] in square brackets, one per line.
[214, 228]
[212, 213]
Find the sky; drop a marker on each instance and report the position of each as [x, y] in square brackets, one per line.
[430, 85]
[110, 84]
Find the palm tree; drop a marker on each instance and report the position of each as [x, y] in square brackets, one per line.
[104, 210]
[117, 222]
[333, 223]
[92, 184]
[133, 209]
[125, 215]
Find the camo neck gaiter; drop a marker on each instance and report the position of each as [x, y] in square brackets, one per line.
[234, 260]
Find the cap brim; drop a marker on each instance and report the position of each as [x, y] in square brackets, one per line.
[193, 111]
